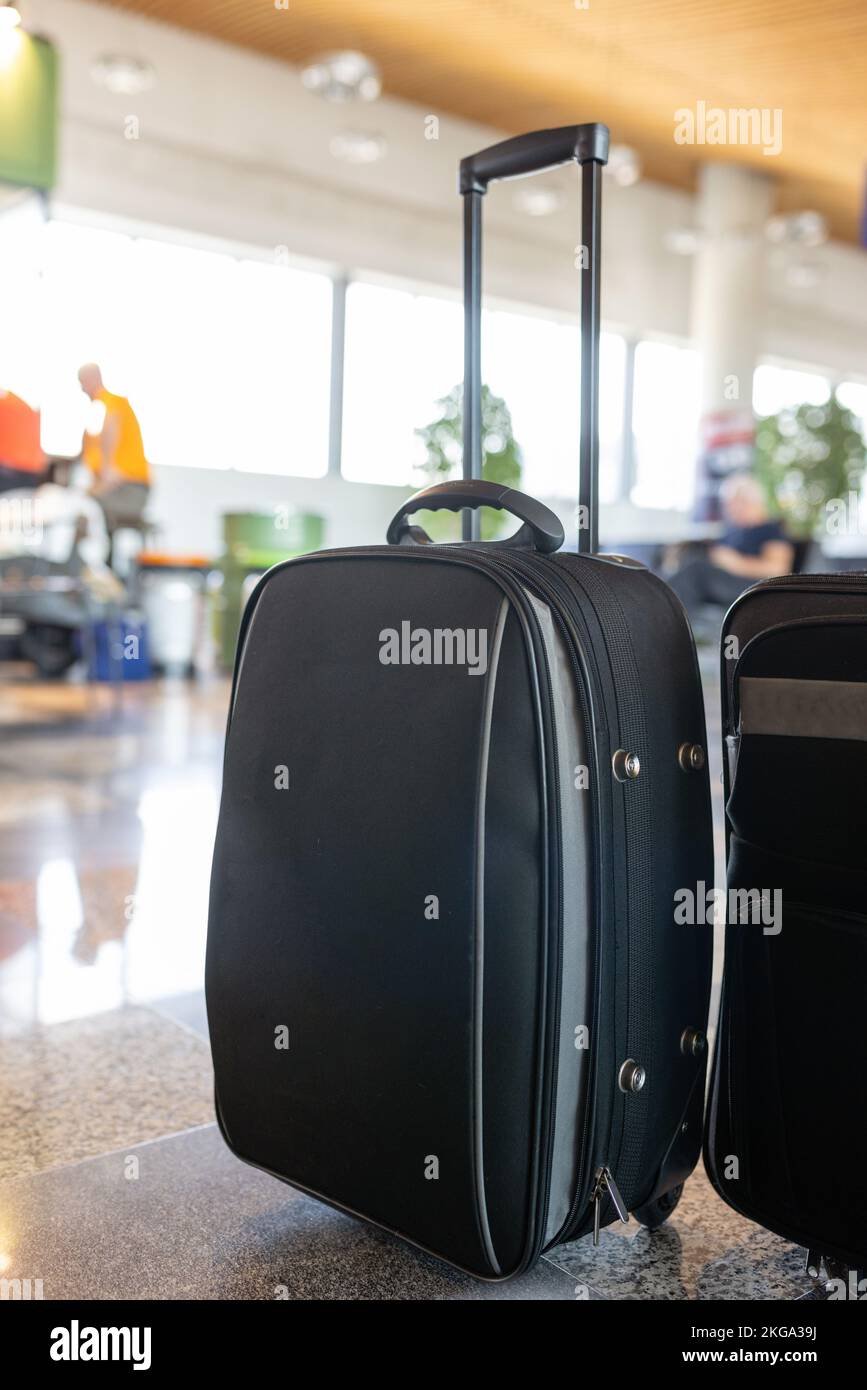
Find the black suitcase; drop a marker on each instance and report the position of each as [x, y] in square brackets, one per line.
[462, 785]
[786, 1135]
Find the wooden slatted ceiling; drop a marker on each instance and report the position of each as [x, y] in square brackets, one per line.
[516, 64]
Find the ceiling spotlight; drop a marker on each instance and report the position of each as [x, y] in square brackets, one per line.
[624, 165]
[357, 146]
[122, 75]
[537, 202]
[9, 17]
[682, 241]
[806, 228]
[345, 76]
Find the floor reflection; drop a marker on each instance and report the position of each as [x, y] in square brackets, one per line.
[106, 830]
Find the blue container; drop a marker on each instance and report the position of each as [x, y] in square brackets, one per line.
[118, 650]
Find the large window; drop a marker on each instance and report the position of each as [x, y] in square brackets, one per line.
[853, 395]
[775, 388]
[612, 416]
[665, 420]
[535, 365]
[404, 352]
[226, 361]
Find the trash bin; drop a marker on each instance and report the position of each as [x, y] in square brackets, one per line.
[173, 595]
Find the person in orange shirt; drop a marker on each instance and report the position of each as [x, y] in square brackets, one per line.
[115, 456]
[22, 462]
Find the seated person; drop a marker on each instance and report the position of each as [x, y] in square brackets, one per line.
[753, 547]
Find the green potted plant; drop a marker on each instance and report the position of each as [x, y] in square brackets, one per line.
[807, 456]
[443, 441]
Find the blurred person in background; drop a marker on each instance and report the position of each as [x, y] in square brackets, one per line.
[115, 457]
[753, 546]
[21, 458]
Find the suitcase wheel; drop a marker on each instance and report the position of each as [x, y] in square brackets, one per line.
[652, 1214]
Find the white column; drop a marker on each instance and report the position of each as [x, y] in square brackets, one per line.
[728, 295]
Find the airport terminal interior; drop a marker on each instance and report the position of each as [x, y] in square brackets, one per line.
[230, 263]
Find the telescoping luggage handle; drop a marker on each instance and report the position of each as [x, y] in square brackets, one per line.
[542, 528]
[586, 145]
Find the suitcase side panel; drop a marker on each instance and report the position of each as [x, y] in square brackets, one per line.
[666, 846]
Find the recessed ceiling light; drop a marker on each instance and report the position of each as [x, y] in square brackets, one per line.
[537, 202]
[122, 75]
[344, 76]
[624, 165]
[798, 229]
[357, 146]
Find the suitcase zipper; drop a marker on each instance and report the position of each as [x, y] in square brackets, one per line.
[554, 599]
[625, 1151]
[604, 1185]
[817, 581]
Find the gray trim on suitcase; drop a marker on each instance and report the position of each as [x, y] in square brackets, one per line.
[575, 977]
[479, 937]
[797, 708]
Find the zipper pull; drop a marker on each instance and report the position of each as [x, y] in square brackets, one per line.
[605, 1184]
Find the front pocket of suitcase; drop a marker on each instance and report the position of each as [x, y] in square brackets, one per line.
[801, 747]
[801, 797]
[346, 945]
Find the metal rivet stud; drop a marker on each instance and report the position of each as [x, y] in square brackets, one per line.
[691, 757]
[692, 1042]
[626, 766]
[631, 1076]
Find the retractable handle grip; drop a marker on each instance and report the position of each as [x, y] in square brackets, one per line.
[586, 145]
[542, 529]
[533, 153]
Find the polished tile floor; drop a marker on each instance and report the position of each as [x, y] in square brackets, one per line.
[106, 828]
[114, 1181]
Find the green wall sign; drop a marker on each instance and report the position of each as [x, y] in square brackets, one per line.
[28, 110]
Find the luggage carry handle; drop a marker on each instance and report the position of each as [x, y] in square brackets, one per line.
[586, 145]
[533, 154]
[542, 529]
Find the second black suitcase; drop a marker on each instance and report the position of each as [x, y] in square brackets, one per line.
[463, 785]
[787, 1141]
